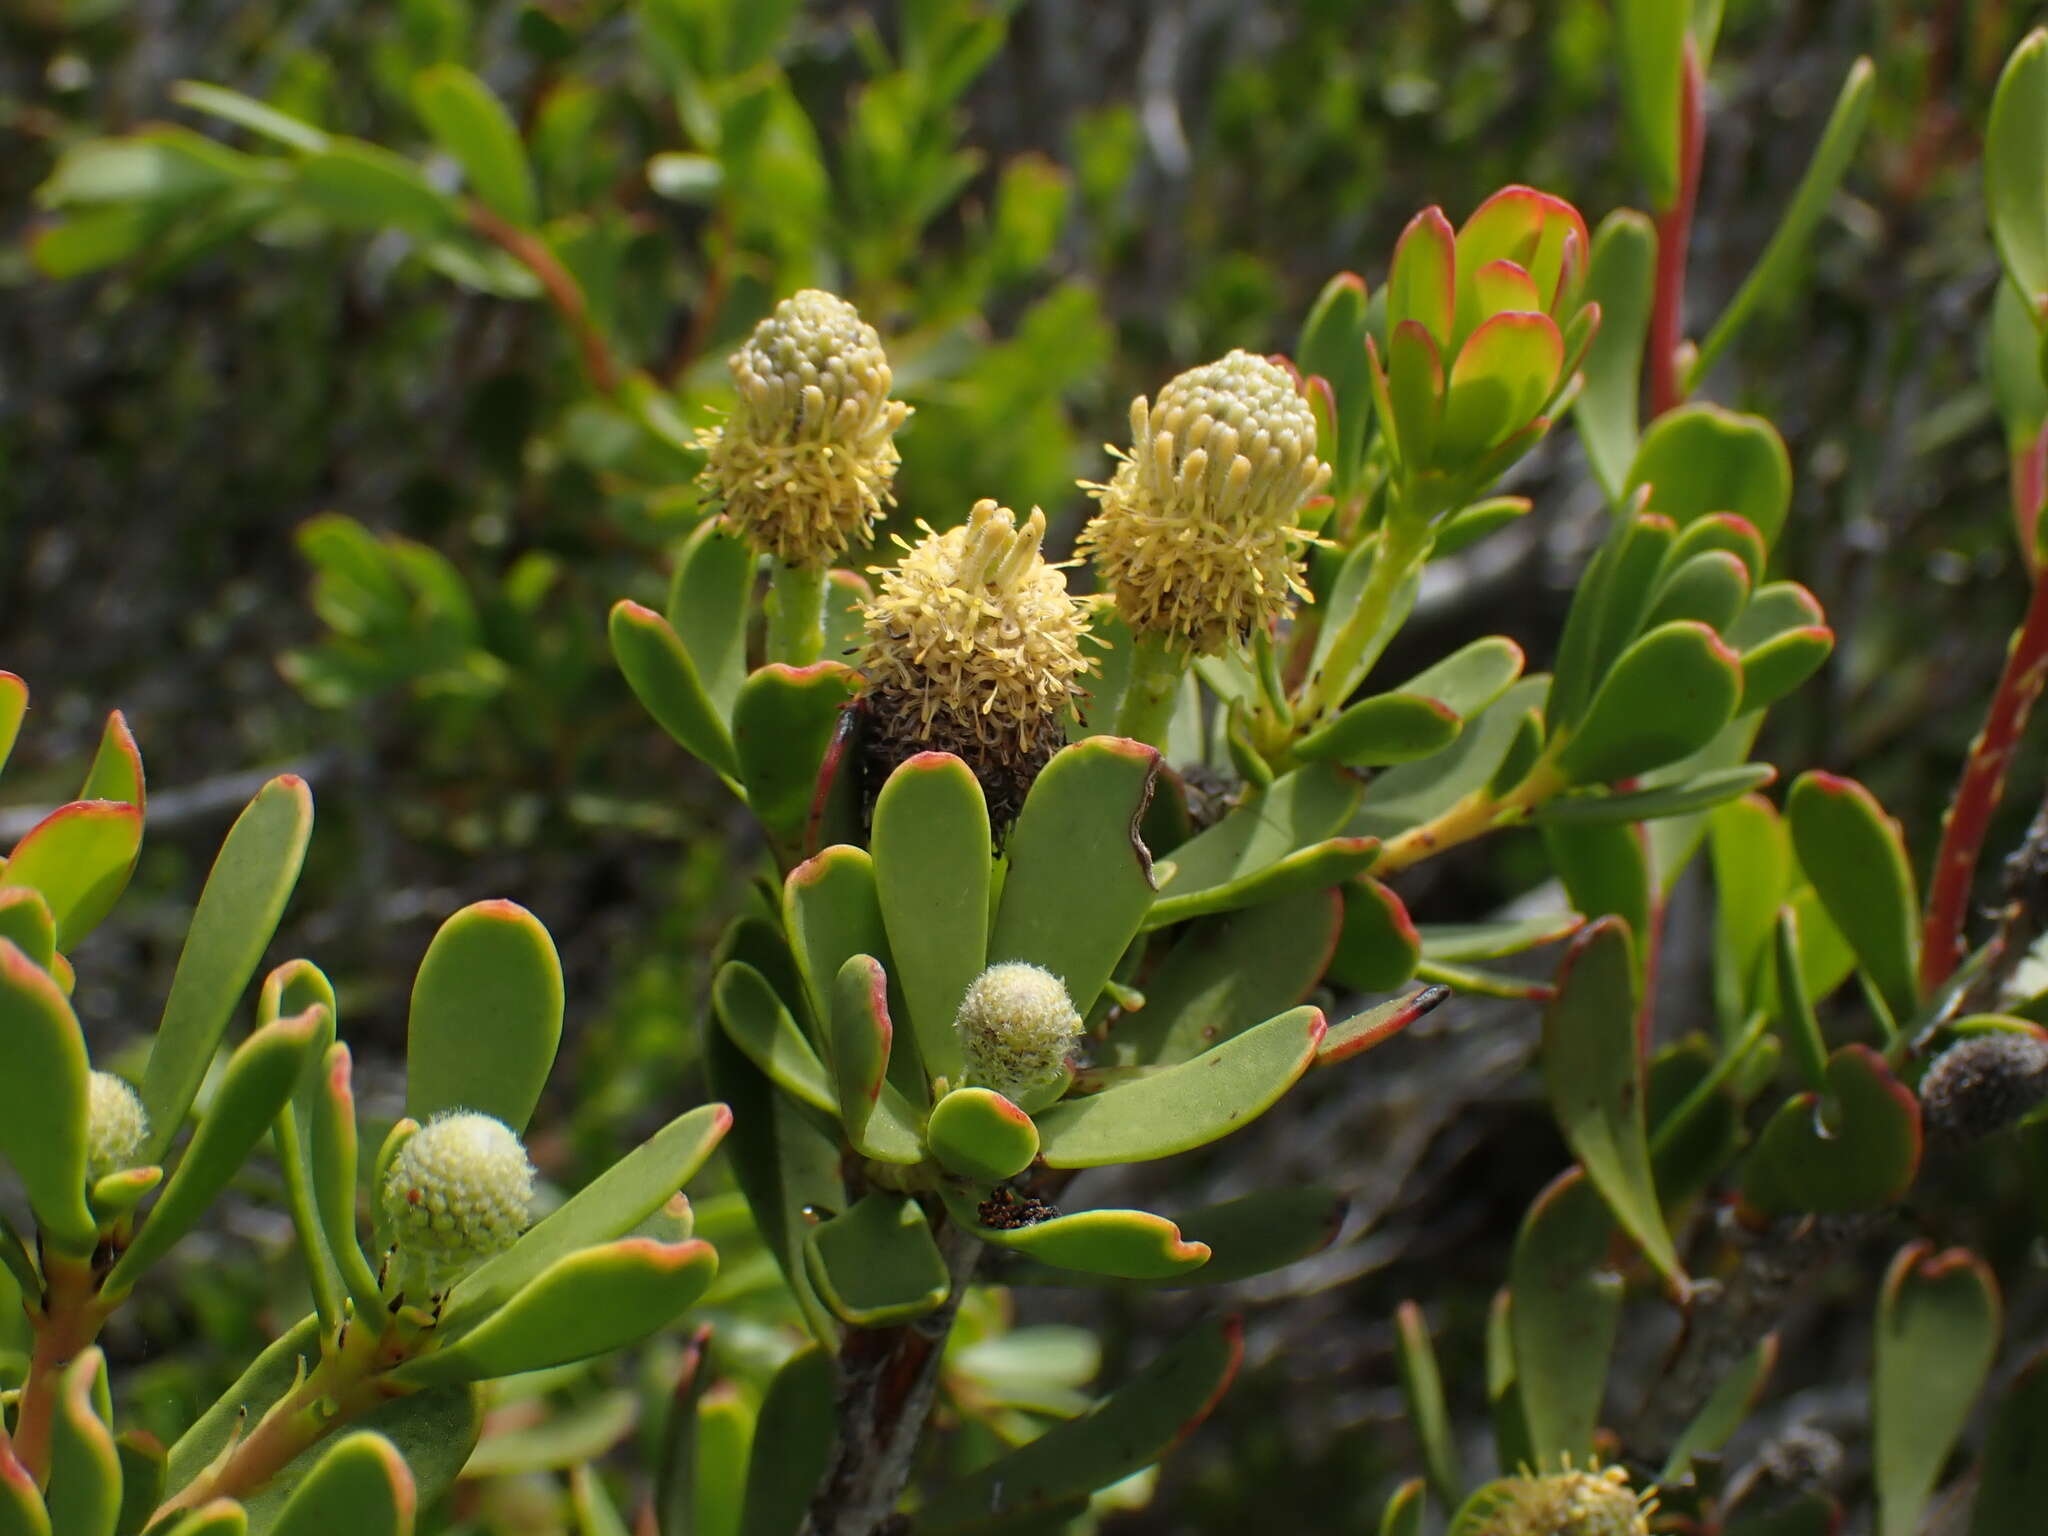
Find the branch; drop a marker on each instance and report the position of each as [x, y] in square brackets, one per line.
[561, 287]
[1674, 236]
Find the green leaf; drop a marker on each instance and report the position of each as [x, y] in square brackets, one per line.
[1593, 1071]
[1361, 1032]
[1567, 1307]
[980, 1135]
[1405, 1508]
[486, 1016]
[266, 1379]
[709, 603]
[1224, 974]
[932, 851]
[1773, 275]
[1703, 458]
[1386, 729]
[1332, 346]
[142, 1482]
[1422, 1389]
[85, 1470]
[1732, 1401]
[1471, 677]
[161, 166]
[255, 1086]
[1937, 1334]
[663, 677]
[1797, 1026]
[247, 112]
[1379, 948]
[792, 1441]
[1714, 788]
[568, 1438]
[783, 725]
[43, 1100]
[333, 1149]
[1711, 587]
[473, 126]
[216, 1517]
[237, 912]
[362, 186]
[116, 771]
[1650, 40]
[1752, 862]
[2015, 140]
[2013, 1466]
[756, 1021]
[1667, 696]
[1855, 856]
[1244, 856]
[1258, 1233]
[1422, 280]
[607, 1208]
[1857, 1152]
[832, 911]
[1413, 386]
[1125, 1245]
[433, 1433]
[877, 1264]
[1413, 793]
[1605, 869]
[1080, 879]
[1619, 279]
[876, 1118]
[1481, 520]
[13, 706]
[586, 1303]
[360, 1485]
[1462, 942]
[1184, 1106]
[79, 857]
[1499, 381]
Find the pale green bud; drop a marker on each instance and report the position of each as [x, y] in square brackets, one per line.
[460, 1190]
[116, 1125]
[1017, 1028]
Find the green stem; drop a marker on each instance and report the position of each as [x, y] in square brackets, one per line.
[66, 1323]
[1404, 540]
[796, 614]
[1157, 666]
[320, 1274]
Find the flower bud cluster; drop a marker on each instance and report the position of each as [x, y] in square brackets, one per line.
[804, 465]
[1017, 1027]
[1197, 538]
[460, 1190]
[116, 1125]
[1567, 1503]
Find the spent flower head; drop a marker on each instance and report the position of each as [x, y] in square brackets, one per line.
[803, 466]
[460, 1190]
[1594, 1502]
[974, 648]
[1197, 538]
[116, 1125]
[1017, 1027]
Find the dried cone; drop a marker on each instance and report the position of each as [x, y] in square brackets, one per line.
[1196, 539]
[804, 465]
[974, 648]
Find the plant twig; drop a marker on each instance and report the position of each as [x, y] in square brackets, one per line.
[2022, 919]
[67, 1321]
[561, 287]
[1674, 236]
[1982, 784]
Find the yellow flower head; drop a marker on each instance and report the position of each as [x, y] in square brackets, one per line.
[1595, 1502]
[1197, 539]
[974, 648]
[803, 466]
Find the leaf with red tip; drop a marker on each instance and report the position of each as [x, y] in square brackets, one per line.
[1332, 347]
[1414, 391]
[1501, 285]
[1855, 855]
[85, 1469]
[1530, 228]
[665, 680]
[709, 601]
[1859, 1152]
[832, 911]
[757, 1021]
[1385, 729]
[1226, 865]
[1665, 697]
[43, 1099]
[1499, 380]
[26, 923]
[1937, 1334]
[359, 1484]
[1710, 587]
[486, 1016]
[877, 1119]
[1704, 458]
[1124, 1245]
[1379, 947]
[13, 706]
[1422, 284]
[22, 1512]
[1129, 1430]
[333, 1156]
[116, 772]
[80, 857]
[1360, 1033]
[784, 725]
[981, 1135]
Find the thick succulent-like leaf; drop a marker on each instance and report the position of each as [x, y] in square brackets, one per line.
[1704, 458]
[1605, 869]
[360, 1485]
[784, 723]
[932, 848]
[664, 679]
[1798, 1026]
[216, 1517]
[1379, 948]
[1422, 281]
[1752, 861]
[756, 1021]
[43, 1100]
[1124, 1433]
[473, 126]
[2014, 142]
[116, 771]
[1414, 390]
[1567, 1306]
[1607, 610]
[1332, 346]
[142, 1482]
[1937, 1334]
[708, 605]
[1184, 1106]
[1859, 1152]
[832, 911]
[2014, 1464]
[1422, 1388]
[607, 1208]
[1080, 879]
[1224, 974]
[1702, 792]
[1406, 1506]
[1733, 1399]
[587, 1303]
[84, 1494]
[1385, 729]
[792, 1439]
[1360, 1033]
[1413, 793]
[13, 706]
[79, 857]
[1711, 588]
[878, 1121]
[1499, 380]
[1667, 696]
[486, 1016]
[979, 1134]
[1125, 1245]
[1855, 856]
[433, 1432]
[1471, 677]
[877, 1264]
[26, 923]
[1593, 1072]
[1619, 278]
[262, 1382]
[254, 1089]
[238, 911]
[333, 1158]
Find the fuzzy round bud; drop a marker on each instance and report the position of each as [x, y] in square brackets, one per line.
[1017, 1027]
[116, 1125]
[1595, 1502]
[804, 464]
[974, 647]
[1984, 1083]
[1197, 539]
[460, 1190]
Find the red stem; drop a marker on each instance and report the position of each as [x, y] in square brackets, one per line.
[561, 287]
[1983, 780]
[1674, 234]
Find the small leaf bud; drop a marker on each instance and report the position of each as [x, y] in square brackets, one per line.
[1017, 1028]
[116, 1125]
[460, 1190]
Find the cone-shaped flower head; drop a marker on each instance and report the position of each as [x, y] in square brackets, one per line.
[803, 466]
[1017, 1027]
[116, 1125]
[1568, 1503]
[459, 1191]
[1484, 330]
[1197, 538]
[974, 648]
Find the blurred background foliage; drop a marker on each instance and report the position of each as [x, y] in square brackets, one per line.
[294, 486]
